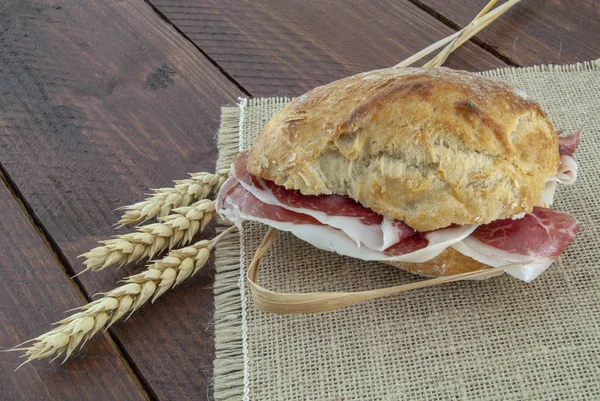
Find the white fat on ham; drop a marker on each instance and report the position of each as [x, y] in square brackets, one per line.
[390, 234]
[567, 171]
[373, 236]
[566, 174]
[547, 198]
[334, 240]
[230, 211]
[532, 268]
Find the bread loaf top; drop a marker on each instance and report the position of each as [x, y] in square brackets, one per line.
[430, 147]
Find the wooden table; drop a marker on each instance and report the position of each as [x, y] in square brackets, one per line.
[101, 100]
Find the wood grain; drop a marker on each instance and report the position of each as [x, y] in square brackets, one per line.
[34, 292]
[288, 47]
[535, 31]
[100, 101]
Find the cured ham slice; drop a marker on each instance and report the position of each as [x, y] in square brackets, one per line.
[361, 224]
[566, 174]
[543, 232]
[536, 240]
[233, 198]
[333, 205]
[568, 144]
[567, 170]
[237, 204]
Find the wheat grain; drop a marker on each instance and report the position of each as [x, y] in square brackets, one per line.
[163, 200]
[151, 239]
[160, 276]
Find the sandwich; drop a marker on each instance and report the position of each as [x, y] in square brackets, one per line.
[435, 171]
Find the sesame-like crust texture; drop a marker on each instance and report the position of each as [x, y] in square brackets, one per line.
[429, 147]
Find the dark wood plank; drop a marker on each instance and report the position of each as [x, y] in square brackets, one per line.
[34, 292]
[100, 100]
[288, 47]
[535, 32]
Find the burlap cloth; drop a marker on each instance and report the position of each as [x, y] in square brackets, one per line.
[499, 339]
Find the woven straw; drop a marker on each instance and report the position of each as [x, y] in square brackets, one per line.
[498, 339]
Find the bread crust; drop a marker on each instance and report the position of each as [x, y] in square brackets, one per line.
[447, 263]
[429, 147]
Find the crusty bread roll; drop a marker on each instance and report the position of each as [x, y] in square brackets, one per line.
[429, 147]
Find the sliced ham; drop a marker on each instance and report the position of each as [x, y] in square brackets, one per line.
[361, 224]
[567, 170]
[234, 198]
[567, 144]
[339, 224]
[332, 205]
[543, 232]
[537, 240]
[237, 204]
[566, 174]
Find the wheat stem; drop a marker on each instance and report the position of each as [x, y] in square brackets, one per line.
[485, 17]
[439, 59]
[163, 200]
[160, 276]
[151, 239]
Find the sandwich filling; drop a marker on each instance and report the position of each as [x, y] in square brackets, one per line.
[339, 224]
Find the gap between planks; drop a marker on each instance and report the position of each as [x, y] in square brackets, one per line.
[75, 283]
[453, 25]
[417, 3]
[204, 54]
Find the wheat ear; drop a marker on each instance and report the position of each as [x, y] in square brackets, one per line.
[160, 276]
[151, 239]
[163, 200]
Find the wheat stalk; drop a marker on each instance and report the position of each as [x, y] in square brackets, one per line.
[163, 200]
[151, 239]
[160, 276]
[485, 17]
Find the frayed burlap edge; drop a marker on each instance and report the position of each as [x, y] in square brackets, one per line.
[592, 65]
[231, 366]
